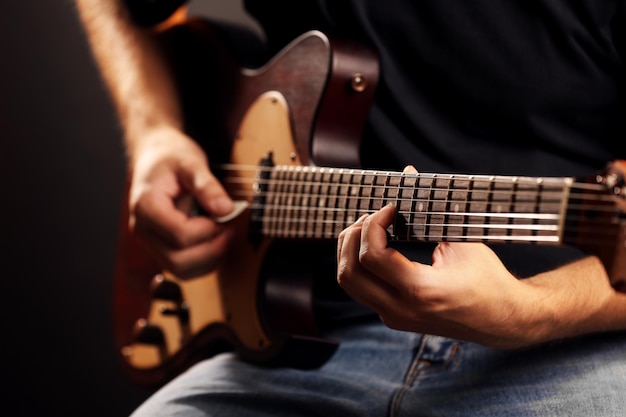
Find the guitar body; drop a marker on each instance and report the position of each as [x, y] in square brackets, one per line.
[285, 112]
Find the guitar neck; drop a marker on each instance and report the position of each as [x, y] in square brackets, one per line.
[318, 203]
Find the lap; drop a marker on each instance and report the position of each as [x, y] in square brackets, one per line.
[378, 371]
[584, 377]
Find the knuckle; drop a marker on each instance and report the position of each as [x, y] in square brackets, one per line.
[367, 257]
[342, 274]
[179, 239]
[345, 273]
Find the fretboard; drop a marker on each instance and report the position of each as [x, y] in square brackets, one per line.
[318, 203]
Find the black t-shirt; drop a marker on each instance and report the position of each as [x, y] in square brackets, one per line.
[502, 87]
[513, 87]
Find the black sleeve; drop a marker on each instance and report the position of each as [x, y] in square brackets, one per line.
[152, 12]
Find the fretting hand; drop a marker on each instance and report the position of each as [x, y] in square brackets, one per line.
[467, 293]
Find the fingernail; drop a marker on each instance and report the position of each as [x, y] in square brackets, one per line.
[221, 205]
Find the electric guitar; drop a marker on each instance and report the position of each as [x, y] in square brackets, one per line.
[290, 161]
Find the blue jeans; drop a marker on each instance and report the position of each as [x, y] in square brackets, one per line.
[381, 372]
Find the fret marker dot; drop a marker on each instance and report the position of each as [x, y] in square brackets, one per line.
[420, 207]
[456, 208]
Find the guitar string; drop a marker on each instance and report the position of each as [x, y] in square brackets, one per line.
[292, 218]
[287, 229]
[556, 184]
[284, 230]
[555, 193]
[352, 216]
[556, 203]
[300, 184]
[540, 199]
[290, 222]
[291, 210]
[493, 179]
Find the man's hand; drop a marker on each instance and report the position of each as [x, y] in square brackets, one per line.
[467, 293]
[169, 172]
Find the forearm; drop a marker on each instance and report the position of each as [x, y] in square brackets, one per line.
[134, 70]
[577, 299]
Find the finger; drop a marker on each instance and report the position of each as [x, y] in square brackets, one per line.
[157, 218]
[381, 260]
[206, 188]
[356, 280]
[342, 235]
[195, 260]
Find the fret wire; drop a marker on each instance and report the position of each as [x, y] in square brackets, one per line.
[445, 227]
[333, 194]
[512, 202]
[314, 202]
[342, 199]
[331, 202]
[280, 185]
[537, 203]
[287, 198]
[405, 205]
[297, 199]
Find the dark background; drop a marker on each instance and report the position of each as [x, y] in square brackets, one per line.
[62, 177]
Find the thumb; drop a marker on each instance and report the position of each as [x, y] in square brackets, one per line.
[206, 189]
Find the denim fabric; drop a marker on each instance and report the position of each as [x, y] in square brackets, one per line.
[381, 372]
